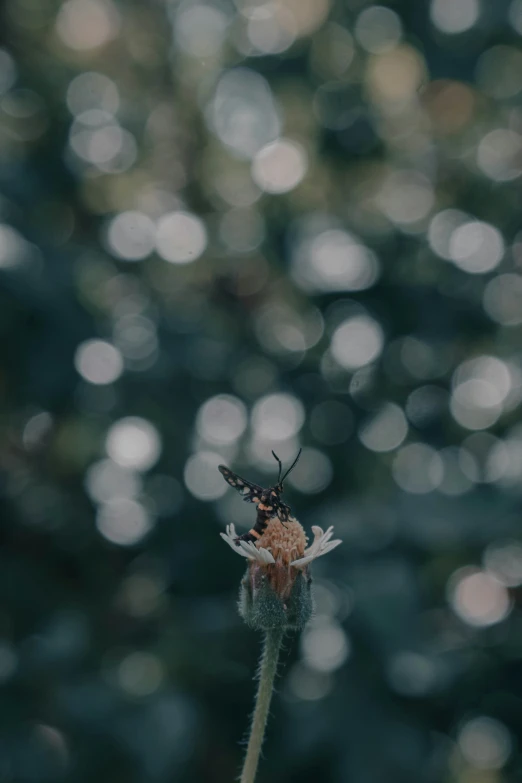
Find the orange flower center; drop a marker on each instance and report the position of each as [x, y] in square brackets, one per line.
[286, 542]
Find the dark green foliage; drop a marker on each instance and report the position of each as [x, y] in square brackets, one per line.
[327, 293]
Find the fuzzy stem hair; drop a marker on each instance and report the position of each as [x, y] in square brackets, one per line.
[266, 676]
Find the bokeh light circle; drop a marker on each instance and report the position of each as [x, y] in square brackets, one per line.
[87, 24]
[334, 260]
[92, 90]
[503, 299]
[418, 468]
[123, 521]
[221, 419]
[357, 342]
[485, 743]
[98, 362]
[499, 154]
[200, 29]
[478, 598]
[243, 113]
[280, 166]
[140, 673]
[503, 559]
[180, 237]
[378, 29]
[133, 442]
[131, 236]
[406, 197]
[481, 387]
[202, 478]
[313, 472]
[454, 16]
[13, 247]
[476, 247]
[386, 429]
[277, 416]
[106, 480]
[324, 645]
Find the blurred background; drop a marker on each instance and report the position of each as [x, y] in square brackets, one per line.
[228, 227]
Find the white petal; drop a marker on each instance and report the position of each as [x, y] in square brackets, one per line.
[321, 546]
[262, 556]
[227, 538]
[267, 556]
[320, 539]
[251, 551]
[329, 546]
[232, 544]
[327, 535]
[246, 548]
[314, 546]
[303, 561]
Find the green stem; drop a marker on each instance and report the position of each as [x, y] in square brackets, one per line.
[267, 672]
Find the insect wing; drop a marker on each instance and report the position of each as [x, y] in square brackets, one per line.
[283, 512]
[248, 491]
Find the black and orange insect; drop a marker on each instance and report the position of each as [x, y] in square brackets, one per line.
[268, 501]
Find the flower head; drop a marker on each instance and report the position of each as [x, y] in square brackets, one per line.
[283, 544]
[276, 587]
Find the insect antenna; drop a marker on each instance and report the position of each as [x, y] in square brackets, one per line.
[292, 466]
[280, 466]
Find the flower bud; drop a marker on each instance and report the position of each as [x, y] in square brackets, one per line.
[275, 596]
[276, 589]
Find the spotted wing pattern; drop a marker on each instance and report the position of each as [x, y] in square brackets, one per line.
[282, 511]
[248, 491]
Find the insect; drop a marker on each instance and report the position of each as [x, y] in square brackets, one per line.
[268, 501]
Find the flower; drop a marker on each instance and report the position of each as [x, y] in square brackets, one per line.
[321, 546]
[276, 589]
[283, 542]
[246, 548]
